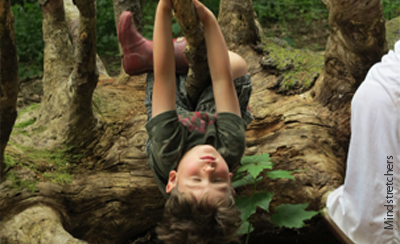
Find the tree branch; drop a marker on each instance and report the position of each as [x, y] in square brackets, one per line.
[39, 224]
[57, 44]
[196, 53]
[8, 78]
[84, 77]
[72, 18]
[238, 23]
[357, 41]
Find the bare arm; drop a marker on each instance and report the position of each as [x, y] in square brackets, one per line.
[218, 60]
[164, 61]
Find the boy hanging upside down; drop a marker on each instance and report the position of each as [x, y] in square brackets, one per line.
[192, 147]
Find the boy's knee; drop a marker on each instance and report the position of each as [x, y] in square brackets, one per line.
[238, 65]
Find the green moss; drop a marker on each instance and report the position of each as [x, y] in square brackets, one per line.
[58, 177]
[28, 109]
[25, 124]
[393, 32]
[19, 128]
[297, 69]
[46, 165]
[18, 182]
[9, 161]
[58, 163]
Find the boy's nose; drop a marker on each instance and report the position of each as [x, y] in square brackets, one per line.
[209, 168]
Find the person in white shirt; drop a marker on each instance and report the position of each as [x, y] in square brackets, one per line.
[366, 208]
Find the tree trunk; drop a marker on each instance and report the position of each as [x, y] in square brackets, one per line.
[9, 86]
[72, 19]
[104, 191]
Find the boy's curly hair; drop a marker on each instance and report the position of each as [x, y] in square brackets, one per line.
[186, 221]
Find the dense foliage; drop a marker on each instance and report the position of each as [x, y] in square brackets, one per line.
[28, 24]
[28, 34]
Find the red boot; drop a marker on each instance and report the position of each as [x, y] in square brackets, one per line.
[138, 51]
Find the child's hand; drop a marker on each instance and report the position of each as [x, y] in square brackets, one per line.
[202, 11]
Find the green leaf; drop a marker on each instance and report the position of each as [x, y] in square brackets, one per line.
[256, 158]
[279, 174]
[244, 228]
[176, 28]
[248, 204]
[238, 176]
[292, 215]
[246, 180]
[255, 164]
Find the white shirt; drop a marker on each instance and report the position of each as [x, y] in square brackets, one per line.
[368, 202]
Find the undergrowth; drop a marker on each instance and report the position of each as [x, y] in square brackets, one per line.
[250, 173]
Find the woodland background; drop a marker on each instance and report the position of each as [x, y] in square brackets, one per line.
[75, 162]
[302, 23]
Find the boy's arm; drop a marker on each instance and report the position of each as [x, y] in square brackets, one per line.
[218, 60]
[164, 61]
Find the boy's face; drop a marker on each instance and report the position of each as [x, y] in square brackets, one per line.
[202, 170]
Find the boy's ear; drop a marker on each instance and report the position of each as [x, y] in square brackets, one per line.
[172, 181]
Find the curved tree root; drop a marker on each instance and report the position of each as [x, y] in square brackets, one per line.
[38, 224]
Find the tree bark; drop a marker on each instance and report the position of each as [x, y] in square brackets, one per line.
[69, 78]
[84, 77]
[198, 77]
[238, 23]
[357, 40]
[72, 19]
[107, 194]
[9, 85]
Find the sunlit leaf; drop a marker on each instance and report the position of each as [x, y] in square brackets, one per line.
[246, 180]
[279, 174]
[248, 204]
[292, 215]
[255, 164]
[244, 228]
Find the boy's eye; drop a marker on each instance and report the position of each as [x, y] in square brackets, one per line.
[196, 179]
[217, 180]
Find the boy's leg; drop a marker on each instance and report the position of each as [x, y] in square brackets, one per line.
[138, 51]
[238, 65]
[243, 88]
